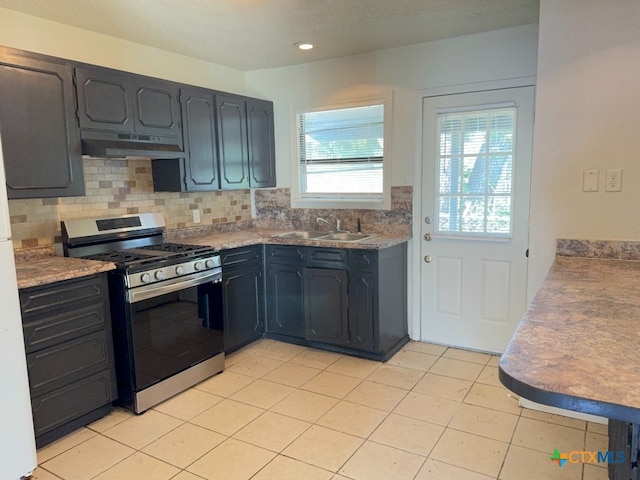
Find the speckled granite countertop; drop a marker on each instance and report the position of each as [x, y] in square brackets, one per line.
[242, 238]
[578, 345]
[33, 271]
[40, 266]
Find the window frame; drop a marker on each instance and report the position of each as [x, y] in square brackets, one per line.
[355, 200]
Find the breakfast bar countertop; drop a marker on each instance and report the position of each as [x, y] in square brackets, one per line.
[577, 346]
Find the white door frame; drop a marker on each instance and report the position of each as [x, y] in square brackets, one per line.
[414, 267]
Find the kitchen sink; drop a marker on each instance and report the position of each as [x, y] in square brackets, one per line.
[302, 234]
[333, 236]
[346, 236]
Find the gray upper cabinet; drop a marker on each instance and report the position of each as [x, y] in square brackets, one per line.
[52, 111]
[245, 142]
[104, 100]
[40, 138]
[232, 142]
[121, 102]
[228, 141]
[262, 160]
[201, 164]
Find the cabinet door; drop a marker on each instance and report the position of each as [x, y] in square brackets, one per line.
[325, 306]
[232, 142]
[122, 102]
[285, 304]
[201, 164]
[105, 99]
[156, 107]
[40, 138]
[242, 295]
[262, 157]
[362, 310]
[59, 407]
[243, 306]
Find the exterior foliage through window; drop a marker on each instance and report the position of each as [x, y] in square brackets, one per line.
[475, 167]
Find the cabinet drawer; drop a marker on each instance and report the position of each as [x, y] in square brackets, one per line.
[326, 257]
[241, 256]
[66, 363]
[51, 330]
[363, 259]
[285, 254]
[64, 295]
[65, 404]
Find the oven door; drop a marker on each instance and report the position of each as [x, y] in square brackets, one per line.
[174, 326]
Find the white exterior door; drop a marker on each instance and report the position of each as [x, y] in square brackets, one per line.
[475, 211]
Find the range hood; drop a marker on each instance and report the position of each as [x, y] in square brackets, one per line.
[120, 145]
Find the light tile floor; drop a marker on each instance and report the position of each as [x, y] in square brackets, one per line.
[281, 411]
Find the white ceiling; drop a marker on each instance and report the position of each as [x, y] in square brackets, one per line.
[256, 34]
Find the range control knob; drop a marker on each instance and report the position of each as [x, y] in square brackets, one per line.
[145, 278]
[159, 275]
[198, 266]
[180, 270]
[209, 263]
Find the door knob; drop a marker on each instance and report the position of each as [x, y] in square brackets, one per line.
[427, 258]
[427, 237]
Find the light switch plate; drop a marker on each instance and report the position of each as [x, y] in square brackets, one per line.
[590, 181]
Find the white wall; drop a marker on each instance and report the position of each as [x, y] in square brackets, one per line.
[458, 64]
[587, 117]
[34, 34]
[501, 54]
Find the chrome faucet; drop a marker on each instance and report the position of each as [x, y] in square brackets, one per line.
[320, 219]
[337, 229]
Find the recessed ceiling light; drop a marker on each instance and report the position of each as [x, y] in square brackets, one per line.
[304, 45]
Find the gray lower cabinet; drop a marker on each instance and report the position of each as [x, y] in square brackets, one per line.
[326, 312]
[624, 441]
[242, 296]
[285, 290]
[349, 300]
[67, 334]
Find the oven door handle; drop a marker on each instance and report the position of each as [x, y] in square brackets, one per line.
[138, 294]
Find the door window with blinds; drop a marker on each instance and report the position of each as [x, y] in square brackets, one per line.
[475, 161]
[341, 154]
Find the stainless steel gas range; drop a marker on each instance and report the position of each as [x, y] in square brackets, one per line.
[165, 305]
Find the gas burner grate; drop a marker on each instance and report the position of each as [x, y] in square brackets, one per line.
[174, 248]
[119, 257]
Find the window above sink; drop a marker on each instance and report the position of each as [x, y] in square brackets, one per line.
[343, 157]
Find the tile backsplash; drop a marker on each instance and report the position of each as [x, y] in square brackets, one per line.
[125, 186]
[119, 187]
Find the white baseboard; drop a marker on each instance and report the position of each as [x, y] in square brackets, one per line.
[560, 411]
